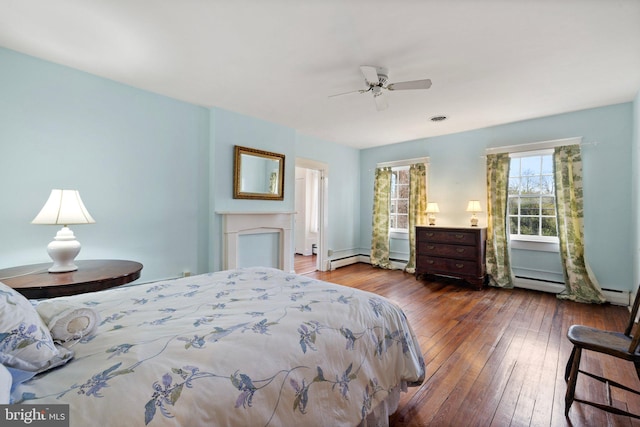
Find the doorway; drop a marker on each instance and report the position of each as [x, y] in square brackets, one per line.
[311, 216]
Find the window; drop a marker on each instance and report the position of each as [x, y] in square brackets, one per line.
[531, 204]
[399, 207]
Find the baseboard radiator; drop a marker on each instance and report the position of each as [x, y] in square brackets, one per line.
[613, 296]
[354, 259]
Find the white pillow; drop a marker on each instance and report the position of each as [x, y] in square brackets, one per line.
[25, 342]
[67, 321]
[5, 385]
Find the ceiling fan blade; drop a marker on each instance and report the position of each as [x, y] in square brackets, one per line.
[381, 102]
[347, 93]
[370, 74]
[414, 84]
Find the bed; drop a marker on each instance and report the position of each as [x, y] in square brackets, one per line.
[245, 347]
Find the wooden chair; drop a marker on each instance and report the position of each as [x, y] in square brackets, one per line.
[616, 344]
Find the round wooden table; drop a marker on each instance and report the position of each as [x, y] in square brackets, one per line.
[34, 281]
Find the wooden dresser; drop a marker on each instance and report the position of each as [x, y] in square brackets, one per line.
[452, 252]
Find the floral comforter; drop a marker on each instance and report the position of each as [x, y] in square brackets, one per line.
[247, 347]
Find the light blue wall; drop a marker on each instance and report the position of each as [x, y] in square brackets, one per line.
[635, 191]
[457, 173]
[138, 159]
[343, 231]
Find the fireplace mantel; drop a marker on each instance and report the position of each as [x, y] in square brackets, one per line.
[236, 224]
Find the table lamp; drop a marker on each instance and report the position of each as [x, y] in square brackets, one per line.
[63, 207]
[474, 208]
[432, 209]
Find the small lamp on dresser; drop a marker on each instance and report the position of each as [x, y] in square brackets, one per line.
[474, 208]
[432, 209]
[63, 207]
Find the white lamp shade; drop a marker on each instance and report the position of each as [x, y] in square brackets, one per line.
[474, 206]
[432, 207]
[64, 207]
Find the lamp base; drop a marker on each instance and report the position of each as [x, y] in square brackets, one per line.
[63, 250]
[474, 220]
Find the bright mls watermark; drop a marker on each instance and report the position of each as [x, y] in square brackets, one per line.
[34, 415]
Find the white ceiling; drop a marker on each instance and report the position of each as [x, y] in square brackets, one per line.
[490, 61]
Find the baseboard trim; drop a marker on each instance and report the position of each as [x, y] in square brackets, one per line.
[613, 296]
[354, 259]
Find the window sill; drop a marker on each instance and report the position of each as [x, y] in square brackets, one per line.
[399, 235]
[535, 245]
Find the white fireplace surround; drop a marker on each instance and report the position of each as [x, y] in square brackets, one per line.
[236, 224]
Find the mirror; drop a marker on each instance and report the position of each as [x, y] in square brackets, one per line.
[258, 174]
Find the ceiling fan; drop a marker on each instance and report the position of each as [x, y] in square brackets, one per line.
[376, 80]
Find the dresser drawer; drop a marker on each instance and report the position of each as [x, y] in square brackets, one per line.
[447, 251]
[447, 266]
[448, 236]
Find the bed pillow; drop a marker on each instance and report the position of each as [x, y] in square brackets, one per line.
[25, 342]
[67, 321]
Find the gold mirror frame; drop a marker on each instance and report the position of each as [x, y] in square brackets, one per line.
[257, 174]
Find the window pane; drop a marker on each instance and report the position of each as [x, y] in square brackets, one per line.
[531, 185]
[514, 167]
[530, 165]
[529, 226]
[403, 191]
[403, 221]
[394, 183]
[547, 164]
[513, 225]
[403, 176]
[403, 206]
[514, 186]
[546, 184]
[549, 227]
[512, 206]
[529, 206]
[548, 206]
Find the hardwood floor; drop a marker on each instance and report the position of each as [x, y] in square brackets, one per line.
[496, 357]
[304, 264]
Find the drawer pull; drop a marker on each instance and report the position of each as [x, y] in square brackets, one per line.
[459, 236]
[431, 247]
[429, 233]
[429, 261]
[458, 265]
[460, 250]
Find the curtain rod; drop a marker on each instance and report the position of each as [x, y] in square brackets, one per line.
[534, 145]
[406, 162]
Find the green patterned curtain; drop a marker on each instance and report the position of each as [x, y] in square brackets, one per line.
[498, 260]
[380, 234]
[580, 286]
[417, 208]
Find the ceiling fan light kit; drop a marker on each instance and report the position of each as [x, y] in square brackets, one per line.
[376, 79]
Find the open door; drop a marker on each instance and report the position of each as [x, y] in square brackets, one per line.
[311, 211]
